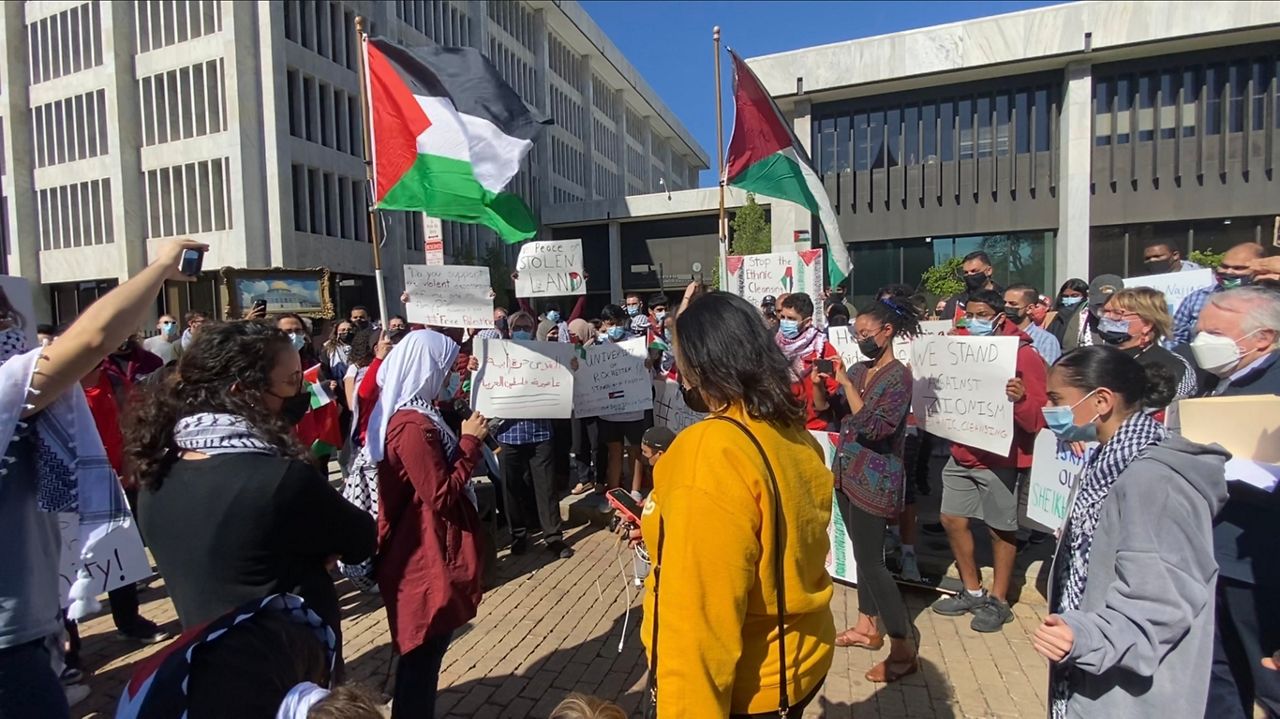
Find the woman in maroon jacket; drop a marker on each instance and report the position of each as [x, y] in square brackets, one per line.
[429, 556]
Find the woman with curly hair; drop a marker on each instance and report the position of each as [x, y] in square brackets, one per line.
[228, 502]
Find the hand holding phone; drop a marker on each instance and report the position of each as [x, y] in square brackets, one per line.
[621, 500]
[826, 366]
[190, 262]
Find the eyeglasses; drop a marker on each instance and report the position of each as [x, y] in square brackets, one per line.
[1119, 315]
[868, 335]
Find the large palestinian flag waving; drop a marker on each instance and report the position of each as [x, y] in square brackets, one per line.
[766, 158]
[448, 135]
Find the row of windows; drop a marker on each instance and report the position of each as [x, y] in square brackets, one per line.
[65, 43]
[605, 140]
[75, 215]
[608, 184]
[567, 161]
[605, 99]
[559, 196]
[439, 20]
[70, 129]
[325, 203]
[189, 199]
[515, 19]
[635, 126]
[161, 23]
[415, 235]
[183, 103]
[1168, 102]
[981, 124]
[565, 62]
[324, 114]
[636, 162]
[513, 69]
[323, 28]
[567, 112]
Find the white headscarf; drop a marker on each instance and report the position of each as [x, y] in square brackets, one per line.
[416, 369]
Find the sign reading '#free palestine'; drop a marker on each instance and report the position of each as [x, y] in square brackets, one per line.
[753, 277]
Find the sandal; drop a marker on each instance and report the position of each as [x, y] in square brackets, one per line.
[854, 638]
[582, 488]
[889, 671]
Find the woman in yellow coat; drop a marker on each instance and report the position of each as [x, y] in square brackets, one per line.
[719, 627]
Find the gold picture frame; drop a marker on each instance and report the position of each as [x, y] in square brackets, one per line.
[304, 292]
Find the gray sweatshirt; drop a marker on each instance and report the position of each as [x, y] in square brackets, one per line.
[1144, 630]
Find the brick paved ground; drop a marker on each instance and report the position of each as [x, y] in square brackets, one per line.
[551, 628]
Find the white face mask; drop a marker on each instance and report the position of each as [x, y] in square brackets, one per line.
[1217, 354]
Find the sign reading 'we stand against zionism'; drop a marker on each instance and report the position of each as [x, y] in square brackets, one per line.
[958, 389]
[550, 269]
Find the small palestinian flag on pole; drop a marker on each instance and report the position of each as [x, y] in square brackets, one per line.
[766, 158]
[447, 136]
[319, 429]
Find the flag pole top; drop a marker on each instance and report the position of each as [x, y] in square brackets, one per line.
[715, 33]
[360, 24]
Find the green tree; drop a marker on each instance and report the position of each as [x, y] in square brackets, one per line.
[499, 275]
[943, 280]
[1206, 258]
[751, 231]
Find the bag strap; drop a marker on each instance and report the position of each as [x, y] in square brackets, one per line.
[784, 701]
[653, 637]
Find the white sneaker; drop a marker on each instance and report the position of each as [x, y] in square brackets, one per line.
[76, 693]
[910, 568]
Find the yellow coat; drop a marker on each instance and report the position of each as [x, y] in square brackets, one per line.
[717, 621]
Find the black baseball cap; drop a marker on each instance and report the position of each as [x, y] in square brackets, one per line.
[768, 301]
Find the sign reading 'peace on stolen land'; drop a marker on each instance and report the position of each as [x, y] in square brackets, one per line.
[550, 269]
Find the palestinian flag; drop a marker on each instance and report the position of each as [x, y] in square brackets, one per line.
[319, 429]
[448, 135]
[766, 158]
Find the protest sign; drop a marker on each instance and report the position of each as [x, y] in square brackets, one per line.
[523, 380]
[448, 295]
[842, 338]
[18, 290]
[669, 409]
[550, 269]
[612, 379]
[118, 558]
[840, 564]
[752, 277]
[1054, 469]
[958, 389]
[1175, 285]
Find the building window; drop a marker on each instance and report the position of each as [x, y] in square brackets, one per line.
[189, 199]
[183, 103]
[161, 24]
[75, 215]
[70, 129]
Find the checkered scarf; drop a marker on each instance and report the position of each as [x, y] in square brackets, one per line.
[1129, 443]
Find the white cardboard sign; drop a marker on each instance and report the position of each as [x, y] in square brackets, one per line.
[669, 408]
[550, 269]
[1054, 470]
[958, 389]
[1175, 285]
[448, 295]
[519, 379]
[753, 277]
[840, 563]
[842, 339]
[118, 558]
[612, 379]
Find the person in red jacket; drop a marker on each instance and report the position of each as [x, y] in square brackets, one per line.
[803, 344]
[981, 485]
[429, 551]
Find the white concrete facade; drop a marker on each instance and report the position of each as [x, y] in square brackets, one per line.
[237, 123]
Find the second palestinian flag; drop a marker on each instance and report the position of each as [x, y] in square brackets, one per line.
[448, 135]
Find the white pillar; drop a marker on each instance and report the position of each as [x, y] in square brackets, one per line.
[615, 262]
[1075, 151]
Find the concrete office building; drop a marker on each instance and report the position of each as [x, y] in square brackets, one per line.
[1058, 139]
[238, 124]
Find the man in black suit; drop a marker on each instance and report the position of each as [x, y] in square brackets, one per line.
[1237, 337]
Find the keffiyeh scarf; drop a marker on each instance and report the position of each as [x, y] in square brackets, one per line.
[72, 470]
[214, 433]
[806, 345]
[1130, 442]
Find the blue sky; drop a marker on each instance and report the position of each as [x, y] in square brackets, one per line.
[670, 42]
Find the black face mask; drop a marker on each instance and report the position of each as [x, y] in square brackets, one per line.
[1158, 267]
[693, 399]
[870, 349]
[1015, 316]
[361, 323]
[295, 406]
[344, 337]
[973, 283]
[500, 324]
[1115, 338]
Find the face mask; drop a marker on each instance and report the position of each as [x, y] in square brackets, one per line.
[344, 337]
[789, 328]
[295, 406]
[1015, 316]
[362, 322]
[660, 316]
[298, 340]
[1061, 422]
[1217, 354]
[553, 317]
[973, 283]
[500, 324]
[980, 327]
[1037, 312]
[169, 329]
[616, 333]
[602, 337]
[693, 400]
[1071, 301]
[521, 335]
[1156, 267]
[1114, 331]
[870, 349]
[1230, 282]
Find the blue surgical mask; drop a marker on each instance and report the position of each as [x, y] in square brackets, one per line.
[616, 333]
[521, 335]
[660, 316]
[1113, 331]
[1061, 421]
[980, 327]
[1071, 301]
[633, 310]
[553, 316]
[789, 328]
[298, 340]
[169, 328]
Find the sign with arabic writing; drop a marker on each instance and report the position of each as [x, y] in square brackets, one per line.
[523, 380]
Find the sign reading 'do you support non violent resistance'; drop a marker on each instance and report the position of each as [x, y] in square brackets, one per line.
[118, 558]
[523, 380]
[550, 269]
[1175, 285]
[669, 409]
[448, 295]
[612, 379]
[1054, 470]
[958, 390]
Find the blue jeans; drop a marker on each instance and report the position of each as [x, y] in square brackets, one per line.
[28, 687]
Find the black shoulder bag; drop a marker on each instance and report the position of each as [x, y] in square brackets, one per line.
[784, 702]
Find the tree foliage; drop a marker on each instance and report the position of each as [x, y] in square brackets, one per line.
[1206, 258]
[943, 280]
[751, 231]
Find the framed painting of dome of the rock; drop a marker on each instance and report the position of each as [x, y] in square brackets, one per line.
[304, 292]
